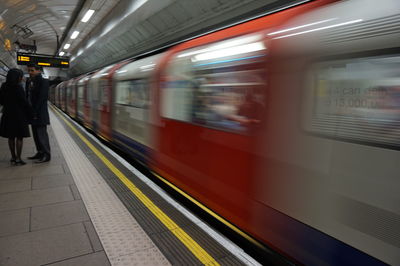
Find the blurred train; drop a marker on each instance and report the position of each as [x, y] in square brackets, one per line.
[287, 126]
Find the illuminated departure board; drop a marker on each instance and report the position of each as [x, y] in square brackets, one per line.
[42, 60]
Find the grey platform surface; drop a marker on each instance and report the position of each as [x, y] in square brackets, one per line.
[42, 218]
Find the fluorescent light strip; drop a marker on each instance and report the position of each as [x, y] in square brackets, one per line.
[110, 26]
[300, 27]
[74, 35]
[88, 15]
[66, 46]
[322, 28]
[61, 53]
[90, 43]
[136, 5]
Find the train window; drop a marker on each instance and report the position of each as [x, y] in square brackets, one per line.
[177, 90]
[69, 92]
[94, 92]
[357, 99]
[133, 93]
[80, 92]
[89, 92]
[220, 85]
[103, 91]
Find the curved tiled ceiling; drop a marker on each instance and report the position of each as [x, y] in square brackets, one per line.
[43, 21]
[136, 27]
[28, 20]
[119, 28]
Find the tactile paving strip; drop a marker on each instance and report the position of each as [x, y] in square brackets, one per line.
[124, 241]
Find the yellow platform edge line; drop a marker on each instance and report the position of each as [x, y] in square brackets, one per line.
[213, 214]
[179, 233]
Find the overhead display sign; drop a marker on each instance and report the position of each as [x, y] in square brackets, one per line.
[42, 60]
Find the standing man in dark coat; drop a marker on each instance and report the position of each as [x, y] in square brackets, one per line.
[38, 90]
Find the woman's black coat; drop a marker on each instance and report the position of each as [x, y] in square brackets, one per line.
[16, 112]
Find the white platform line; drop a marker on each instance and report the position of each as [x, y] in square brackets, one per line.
[222, 240]
[124, 241]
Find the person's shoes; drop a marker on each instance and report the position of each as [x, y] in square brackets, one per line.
[12, 161]
[19, 162]
[36, 156]
[44, 159]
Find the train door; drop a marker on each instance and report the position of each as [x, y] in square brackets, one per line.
[96, 97]
[80, 100]
[62, 97]
[95, 104]
[56, 101]
[106, 100]
[87, 101]
[72, 98]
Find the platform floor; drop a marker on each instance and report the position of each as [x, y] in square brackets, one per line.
[43, 219]
[88, 207]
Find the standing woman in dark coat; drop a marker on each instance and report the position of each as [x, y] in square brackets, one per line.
[15, 119]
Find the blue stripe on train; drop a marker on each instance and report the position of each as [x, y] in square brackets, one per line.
[132, 147]
[313, 247]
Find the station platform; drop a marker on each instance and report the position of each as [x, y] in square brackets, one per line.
[88, 206]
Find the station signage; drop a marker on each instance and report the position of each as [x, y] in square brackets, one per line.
[42, 60]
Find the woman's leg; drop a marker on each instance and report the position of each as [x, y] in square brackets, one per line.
[18, 161]
[11, 146]
[20, 143]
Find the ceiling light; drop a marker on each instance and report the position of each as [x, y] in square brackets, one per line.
[61, 53]
[88, 15]
[74, 34]
[66, 46]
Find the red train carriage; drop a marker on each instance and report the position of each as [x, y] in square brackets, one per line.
[210, 97]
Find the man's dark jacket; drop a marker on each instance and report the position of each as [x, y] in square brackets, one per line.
[38, 97]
